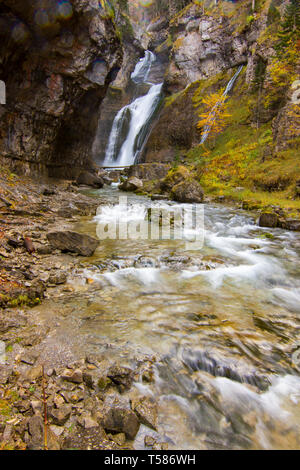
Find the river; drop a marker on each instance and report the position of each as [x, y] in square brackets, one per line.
[220, 323]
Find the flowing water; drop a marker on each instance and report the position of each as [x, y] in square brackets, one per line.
[220, 323]
[132, 123]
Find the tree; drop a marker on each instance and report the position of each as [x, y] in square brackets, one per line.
[290, 26]
[213, 119]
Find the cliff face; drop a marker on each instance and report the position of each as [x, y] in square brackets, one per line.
[205, 47]
[202, 45]
[57, 60]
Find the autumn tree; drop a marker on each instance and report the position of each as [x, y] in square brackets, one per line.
[214, 116]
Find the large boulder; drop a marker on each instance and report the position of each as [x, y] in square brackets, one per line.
[132, 184]
[121, 420]
[89, 179]
[188, 191]
[174, 176]
[268, 219]
[74, 242]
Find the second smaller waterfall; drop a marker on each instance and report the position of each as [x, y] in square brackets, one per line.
[211, 119]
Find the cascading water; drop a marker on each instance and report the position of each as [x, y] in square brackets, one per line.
[212, 114]
[143, 67]
[133, 120]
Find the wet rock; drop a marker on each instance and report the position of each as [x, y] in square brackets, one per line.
[90, 380]
[222, 365]
[145, 262]
[121, 420]
[73, 242]
[58, 278]
[103, 174]
[132, 184]
[114, 175]
[121, 376]
[188, 191]
[151, 442]
[268, 219]
[291, 224]
[103, 382]
[147, 373]
[159, 197]
[89, 179]
[146, 410]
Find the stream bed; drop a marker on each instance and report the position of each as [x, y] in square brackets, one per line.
[221, 325]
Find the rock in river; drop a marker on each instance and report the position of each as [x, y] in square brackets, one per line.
[132, 184]
[268, 219]
[121, 420]
[74, 242]
[188, 191]
[89, 179]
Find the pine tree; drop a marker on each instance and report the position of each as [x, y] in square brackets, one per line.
[290, 26]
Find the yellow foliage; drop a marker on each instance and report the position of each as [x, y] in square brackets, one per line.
[216, 112]
[282, 69]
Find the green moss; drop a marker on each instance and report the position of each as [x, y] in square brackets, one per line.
[19, 301]
[5, 408]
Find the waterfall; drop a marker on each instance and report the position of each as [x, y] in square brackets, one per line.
[143, 67]
[211, 117]
[131, 125]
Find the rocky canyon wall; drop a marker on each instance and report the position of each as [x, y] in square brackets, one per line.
[57, 60]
